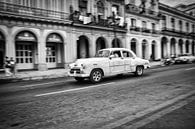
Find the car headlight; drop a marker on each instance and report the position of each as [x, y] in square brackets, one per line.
[83, 66]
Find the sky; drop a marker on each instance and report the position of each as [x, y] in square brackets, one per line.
[176, 2]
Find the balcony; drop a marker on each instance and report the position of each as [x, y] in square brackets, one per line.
[173, 32]
[143, 30]
[133, 9]
[13, 10]
[92, 21]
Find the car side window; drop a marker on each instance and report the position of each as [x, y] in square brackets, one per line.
[127, 54]
[116, 54]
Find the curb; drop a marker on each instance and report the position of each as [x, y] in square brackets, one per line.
[130, 119]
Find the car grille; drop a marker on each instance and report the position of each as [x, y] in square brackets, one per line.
[77, 70]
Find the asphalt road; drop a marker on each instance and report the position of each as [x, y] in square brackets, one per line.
[67, 104]
[182, 118]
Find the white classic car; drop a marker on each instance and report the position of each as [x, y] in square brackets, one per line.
[108, 62]
[185, 58]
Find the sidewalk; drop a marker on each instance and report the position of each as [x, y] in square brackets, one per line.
[52, 73]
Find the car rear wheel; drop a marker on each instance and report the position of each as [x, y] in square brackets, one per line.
[96, 75]
[139, 71]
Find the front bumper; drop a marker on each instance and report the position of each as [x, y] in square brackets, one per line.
[77, 73]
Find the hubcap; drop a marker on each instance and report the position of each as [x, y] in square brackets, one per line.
[139, 71]
[96, 76]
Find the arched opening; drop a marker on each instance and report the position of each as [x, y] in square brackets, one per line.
[164, 41]
[153, 54]
[54, 51]
[82, 47]
[144, 49]
[193, 50]
[173, 47]
[187, 46]
[180, 46]
[116, 43]
[2, 50]
[26, 50]
[100, 43]
[133, 45]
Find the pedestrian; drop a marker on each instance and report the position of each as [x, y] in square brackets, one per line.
[12, 66]
[7, 67]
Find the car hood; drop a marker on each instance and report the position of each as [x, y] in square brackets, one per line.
[90, 60]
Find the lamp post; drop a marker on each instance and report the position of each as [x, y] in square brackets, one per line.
[114, 20]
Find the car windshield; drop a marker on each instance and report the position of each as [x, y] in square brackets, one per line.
[103, 53]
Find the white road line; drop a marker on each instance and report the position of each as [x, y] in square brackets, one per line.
[190, 68]
[34, 85]
[76, 89]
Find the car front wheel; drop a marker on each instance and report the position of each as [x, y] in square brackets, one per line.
[139, 71]
[96, 75]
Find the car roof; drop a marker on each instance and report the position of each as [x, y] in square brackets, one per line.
[113, 49]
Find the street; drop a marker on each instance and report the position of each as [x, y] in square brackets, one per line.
[67, 104]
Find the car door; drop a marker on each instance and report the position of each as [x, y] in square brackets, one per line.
[116, 62]
[129, 61]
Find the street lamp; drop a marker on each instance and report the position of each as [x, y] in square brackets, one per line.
[114, 21]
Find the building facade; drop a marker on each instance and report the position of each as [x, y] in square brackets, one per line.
[44, 34]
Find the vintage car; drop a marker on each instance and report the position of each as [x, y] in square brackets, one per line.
[108, 62]
[185, 58]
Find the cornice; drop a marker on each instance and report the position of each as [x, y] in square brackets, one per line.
[163, 7]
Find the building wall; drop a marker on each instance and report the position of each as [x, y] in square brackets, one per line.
[75, 34]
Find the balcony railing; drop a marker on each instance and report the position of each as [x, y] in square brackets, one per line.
[7, 8]
[130, 8]
[92, 20]
[143, 30]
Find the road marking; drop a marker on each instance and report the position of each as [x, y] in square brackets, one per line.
[34, 85]
[190, 68]
[76, 89]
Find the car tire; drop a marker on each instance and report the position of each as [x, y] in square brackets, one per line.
[79, 79]
[139, 71]
[96, 76]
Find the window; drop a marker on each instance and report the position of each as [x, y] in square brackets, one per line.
[187, 27]
[173, 23]
[24, 53]
[51, 54]
[180, 25]
[153, 27]
[116, 54]
[100, 8]
[83, 7]
[144, 25]
[115, 9]
[127, 54]
[193, 28]
[164, 22]
[133, 22]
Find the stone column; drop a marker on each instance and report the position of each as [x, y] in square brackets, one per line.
[177, 48]
[190, 47]
[168, 49]
[184, 47]
[158, 50]
[10, 43]
[149, 50]
[92, 46]
[109, 42]
[139, 49]
[42, 66]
